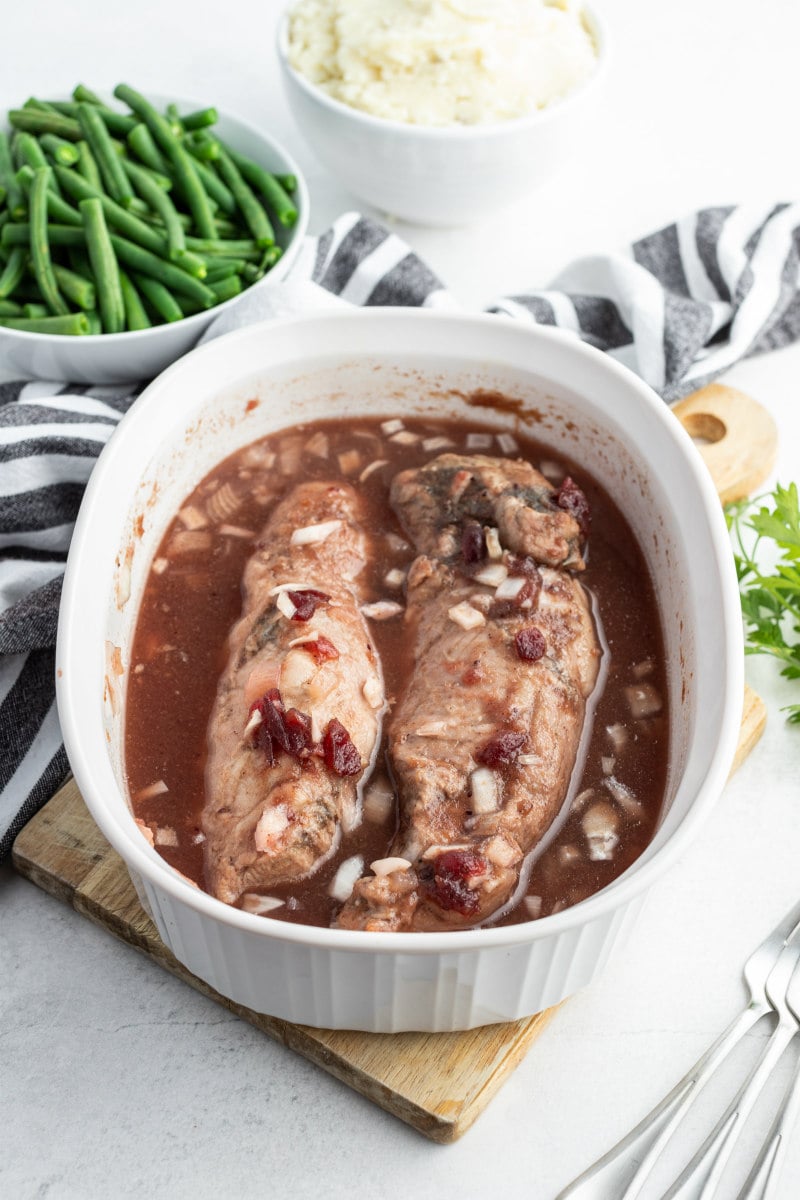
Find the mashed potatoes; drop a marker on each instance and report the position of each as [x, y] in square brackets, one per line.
[442, 62]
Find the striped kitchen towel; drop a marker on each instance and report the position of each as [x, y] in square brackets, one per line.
[679, 307]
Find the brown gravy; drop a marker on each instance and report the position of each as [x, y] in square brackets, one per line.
[192, 598]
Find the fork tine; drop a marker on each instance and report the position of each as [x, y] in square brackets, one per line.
[623, 1170]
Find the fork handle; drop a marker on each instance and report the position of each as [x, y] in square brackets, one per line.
[700, 1177]
[620, 1174]
[762, 1182]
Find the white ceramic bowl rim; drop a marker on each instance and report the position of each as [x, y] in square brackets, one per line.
[131, 336]
[539, 116]
[131, 845]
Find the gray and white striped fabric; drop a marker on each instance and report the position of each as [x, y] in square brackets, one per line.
[679, 307]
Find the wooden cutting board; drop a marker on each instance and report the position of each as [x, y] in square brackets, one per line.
[437, 1083]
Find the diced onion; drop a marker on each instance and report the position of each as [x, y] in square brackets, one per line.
[493, 547]
[198, 838]
[304, 639]
[500, 851]
[600, 824]
[385, 866]
[285, 606]
[484, 787]
[435, 850]
[373, 466]
[165, 836]
[373, 692]
[405, 438]
[260, 905]
[318, 445]
[393, 426]
[298, 667]
[551, 470]
[396, 543]
[642, 669]
[312, 535]
[493, 575]
[395, 578]
[432, 729]
[534, 906]
[289, 587]
[479, 441]
[567, 855]
[623, 796]
[607, 762]
[581, 798]
[381, 610]
[482, 601]
[160, 565]
[436, 443]
[349, 461]
[254, 722]
[236, 531]
[154, 789]
[189, 541]
[618, 735]
[510, 588]
[643, 700]
[271, 825]
[193, 518]
[466, 616]
[344, 880]
[223, 503]
[378, 803]
[507, 443]
[527, 760]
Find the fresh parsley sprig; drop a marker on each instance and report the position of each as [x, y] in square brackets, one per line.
[770, 602]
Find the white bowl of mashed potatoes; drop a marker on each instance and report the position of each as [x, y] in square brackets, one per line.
[441, 111]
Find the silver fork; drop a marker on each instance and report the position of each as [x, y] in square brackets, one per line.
[762, 1182]
[621, 1173]
[701, 1175]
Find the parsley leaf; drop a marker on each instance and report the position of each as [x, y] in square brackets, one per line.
[770, 601]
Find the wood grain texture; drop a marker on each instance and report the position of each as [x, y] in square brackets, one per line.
[437, 1083]
[738, 439]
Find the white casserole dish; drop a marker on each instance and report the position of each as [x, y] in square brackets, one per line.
[399, 361]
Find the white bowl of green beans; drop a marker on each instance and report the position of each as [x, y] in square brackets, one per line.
[127, 224]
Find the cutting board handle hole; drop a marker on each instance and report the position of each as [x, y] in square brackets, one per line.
[704, 428]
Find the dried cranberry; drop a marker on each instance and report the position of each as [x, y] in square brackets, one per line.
[280, 730]
[527, 597]
[449, 888]
[321, 650]
[523, 564]
[307, 602]
[263, 742]
[473, 542]
[572, 500]
[297, 732]
[338, 750]
[530, 644]
[501, 749]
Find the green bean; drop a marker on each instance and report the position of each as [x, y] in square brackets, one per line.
[34, 309]
[85, 95]
[219, 193]
[152, 218]
[145, 263]
[203, 146]
[276, 197]
[141, 143]
[221, 268]
[161, 299]
[31, 120]
[94, 322]
[75, 287]
[185, 173]
[201, 118]
[227, 288]
[249, 205]
[111, 169]
[39, 105]
[73, 323]
[134, 228]
[271, 256]
[287, 182]
[62, 152]
[88, 167]
[135, 314]
[18, 234]
[9, 309]
[13, 272]
[79, 262]
[13, 194]
[226, 248]
[3, 195]
[160, 202]
[40, 243]
[57, 209]
[174, 118]
[28, 153]
[104, 266]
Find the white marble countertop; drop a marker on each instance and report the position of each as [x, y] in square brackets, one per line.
[118, 1081]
